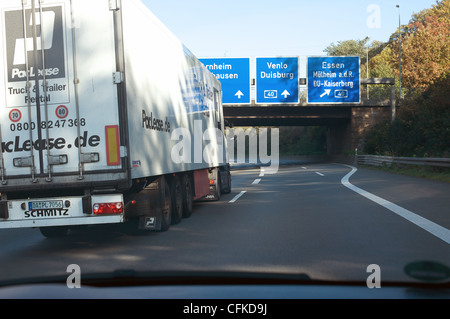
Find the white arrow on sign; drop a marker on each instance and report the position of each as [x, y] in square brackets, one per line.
[327, 92]
[285, 94]
[239, 94]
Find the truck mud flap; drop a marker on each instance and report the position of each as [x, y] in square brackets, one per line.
[148, 207]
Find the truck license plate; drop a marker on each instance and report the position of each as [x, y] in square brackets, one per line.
[48, 204]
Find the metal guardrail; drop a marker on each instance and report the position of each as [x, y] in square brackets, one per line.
[376, 160]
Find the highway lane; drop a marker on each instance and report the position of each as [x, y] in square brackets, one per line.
[300, 220]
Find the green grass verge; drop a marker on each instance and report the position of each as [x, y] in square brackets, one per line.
[441, 174]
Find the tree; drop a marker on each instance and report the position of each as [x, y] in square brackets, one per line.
[425, 53]
[441, 11]
[425, 46]
[348, 47]
[380, 65]
[421, 127]
[359, 48]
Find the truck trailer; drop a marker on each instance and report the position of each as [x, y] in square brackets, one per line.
[105, 117]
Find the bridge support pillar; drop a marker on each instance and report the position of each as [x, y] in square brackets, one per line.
[363, 120]
[338, 139]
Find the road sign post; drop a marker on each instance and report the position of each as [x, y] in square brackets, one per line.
[277, 80]
[334, 80]
[234, 75]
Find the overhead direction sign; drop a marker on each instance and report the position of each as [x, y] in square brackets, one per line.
[234, 75]
[334, 79]
[277, 80]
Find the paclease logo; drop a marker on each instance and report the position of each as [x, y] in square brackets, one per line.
[18, 144]
[21, 45]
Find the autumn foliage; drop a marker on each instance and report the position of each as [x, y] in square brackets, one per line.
[422, 125]
[425, 53]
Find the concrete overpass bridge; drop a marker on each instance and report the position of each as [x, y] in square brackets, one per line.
[346, 123]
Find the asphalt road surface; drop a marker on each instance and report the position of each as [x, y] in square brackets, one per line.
[329, 221]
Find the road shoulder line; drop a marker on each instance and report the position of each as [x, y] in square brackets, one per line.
[427, 225]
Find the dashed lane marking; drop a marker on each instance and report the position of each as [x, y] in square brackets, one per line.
[237, 196]
[256, 181]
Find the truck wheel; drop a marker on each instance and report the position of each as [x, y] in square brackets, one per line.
[227, 190]
[177, 200]
[166, 209]
[218, 190]
[54, 232]
[188, 196]
[228, 185]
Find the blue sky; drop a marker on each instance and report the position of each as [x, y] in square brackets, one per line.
[250, 28]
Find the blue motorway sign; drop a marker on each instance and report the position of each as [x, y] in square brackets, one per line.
[234, 75]
[334, 79]
[277, 80]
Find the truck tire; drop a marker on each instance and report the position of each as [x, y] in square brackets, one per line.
[188, 195]
[177, 200]
[218, 191]
[227, 188]
[54, 232]
[166, 214]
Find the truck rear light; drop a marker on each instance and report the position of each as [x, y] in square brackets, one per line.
[211, 182]
[108, 208]
[130, 203]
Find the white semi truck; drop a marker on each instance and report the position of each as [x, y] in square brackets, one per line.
[105, 117]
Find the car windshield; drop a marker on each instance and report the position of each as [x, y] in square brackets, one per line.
[233, 139]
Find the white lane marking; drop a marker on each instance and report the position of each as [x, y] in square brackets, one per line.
[319, 174]
[261, 174]
[304, 167]
[237, 196]
[433, 228]
[256, 181]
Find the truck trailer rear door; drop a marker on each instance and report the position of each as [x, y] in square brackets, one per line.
[59, 109]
